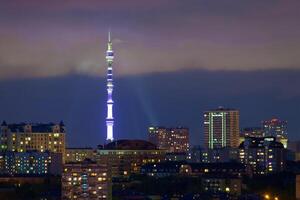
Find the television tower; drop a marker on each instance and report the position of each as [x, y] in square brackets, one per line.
[110, 102]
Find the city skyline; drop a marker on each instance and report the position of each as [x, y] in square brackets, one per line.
[139, 99]
[81, 107]
[232, 66]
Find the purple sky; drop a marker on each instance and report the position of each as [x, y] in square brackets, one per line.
[57, 37]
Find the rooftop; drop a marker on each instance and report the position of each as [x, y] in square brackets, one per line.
[253, 142]
[130, 145]
[220, 108]
[35, 127]
[79, 148]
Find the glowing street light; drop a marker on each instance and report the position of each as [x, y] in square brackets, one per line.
[227, 189]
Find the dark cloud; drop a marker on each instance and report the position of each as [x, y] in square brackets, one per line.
[50, 38]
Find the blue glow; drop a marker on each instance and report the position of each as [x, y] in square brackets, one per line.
[109, 118]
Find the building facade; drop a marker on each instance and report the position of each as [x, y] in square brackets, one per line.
[79, 154]
[173, 140]
[263, 155]
[220, 155]
[251, 132]
[162, 169]
[33, 137]
[124, 157]
[226, 169]
[30, 163]
[195, 154]
[276, 128]
[218, 184]
[221, 128]
[86, 180]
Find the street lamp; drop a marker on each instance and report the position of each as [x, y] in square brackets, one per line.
[267, 196]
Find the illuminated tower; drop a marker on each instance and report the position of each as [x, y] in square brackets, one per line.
[110, 102]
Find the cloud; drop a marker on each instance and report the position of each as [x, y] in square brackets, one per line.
[51, 38]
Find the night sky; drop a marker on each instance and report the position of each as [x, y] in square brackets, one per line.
[173, 60]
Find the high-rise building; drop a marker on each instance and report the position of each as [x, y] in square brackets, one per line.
[79, 154]
[124, 157]
[263, 155]
[173, 140]
[86, 180]
[110, 86]
[276, 128]
[221, 128]
[33, 137]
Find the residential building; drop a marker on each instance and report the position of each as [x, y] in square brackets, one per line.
[251, 132]
[125, 157]
[230, 169]
[86, 180]
[263, 155]
[173, 140]
[195, 154]
[171, 168]
[30, 163]
[162, 169]
[24, 137]
[276, 128]
[221, 128]
[182, 156]
[221, 155]
[222, 184]
[79, 154]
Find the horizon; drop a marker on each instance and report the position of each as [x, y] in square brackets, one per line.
[72, 95]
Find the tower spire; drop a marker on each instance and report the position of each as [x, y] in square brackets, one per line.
[109, 44]
[109, 40]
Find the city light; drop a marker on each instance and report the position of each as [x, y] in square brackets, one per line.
[176, 62]
[267, 196]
